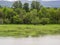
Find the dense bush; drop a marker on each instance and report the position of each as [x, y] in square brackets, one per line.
[35, 14]
[45, 21]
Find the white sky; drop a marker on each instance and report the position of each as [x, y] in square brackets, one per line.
[7, 0]
[14, 0]
[29, 0]
[11, 0]
[49, 0]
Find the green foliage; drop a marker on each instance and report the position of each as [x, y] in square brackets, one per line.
[44, 13]
[45, 21]
[7, 21]
[35, 21]
[17, 20]
[1, 13]
[34, 17]
[27, 19]
[28, 30]
[35, 5]
[29, 14]
[26, 7]
[17, 4]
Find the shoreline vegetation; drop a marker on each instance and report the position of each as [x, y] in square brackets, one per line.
[15, 21]
[26, 13]
[28, 30]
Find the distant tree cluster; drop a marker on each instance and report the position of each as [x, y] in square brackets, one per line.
[25, 14]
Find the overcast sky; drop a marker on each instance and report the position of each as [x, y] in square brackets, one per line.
[50, 0]
[30, 0]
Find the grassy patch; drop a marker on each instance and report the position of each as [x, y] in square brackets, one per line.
[28, 30]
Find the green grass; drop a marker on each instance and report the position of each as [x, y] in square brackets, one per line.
[28, 30]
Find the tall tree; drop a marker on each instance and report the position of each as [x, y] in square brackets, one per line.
[17, 4]
[26, 7]
[35, 5]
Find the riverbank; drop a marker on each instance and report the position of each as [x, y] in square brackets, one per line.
[29, 30]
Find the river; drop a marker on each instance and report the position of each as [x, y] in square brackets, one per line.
[44, 40]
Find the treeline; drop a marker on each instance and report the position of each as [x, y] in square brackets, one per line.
[26, 13]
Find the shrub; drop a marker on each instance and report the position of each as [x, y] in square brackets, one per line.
[45, 21]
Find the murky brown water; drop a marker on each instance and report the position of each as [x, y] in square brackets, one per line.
[45, 40]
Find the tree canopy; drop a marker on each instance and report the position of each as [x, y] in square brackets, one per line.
[24, 14]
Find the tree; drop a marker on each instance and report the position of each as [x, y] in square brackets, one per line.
[26, 7]
[31, 17]
[5, 13]
[44, 13]
[58, 15]
[27, 19]
[1, 13]
[8, 15]
[35, 21]
[35, 5]
[1, 16]
[17, 20]
[17, 4]
[53, 15]
[21, 13]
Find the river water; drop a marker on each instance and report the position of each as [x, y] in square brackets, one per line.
[44, 40]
